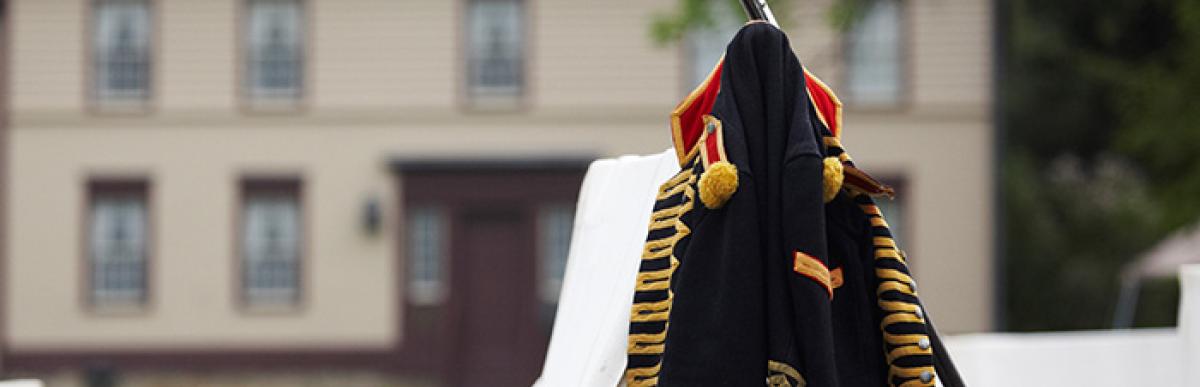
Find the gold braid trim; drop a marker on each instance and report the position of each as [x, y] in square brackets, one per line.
[889, 254]
[898, 306]
[903, 339]
[659, 280]
[907, 350]
[885, 242]
[900, 317]
[894, 286]
[662, 224]
[814, 269]
[676, 188]
[642, 382]
[643, 372]
[910, 373]
[779, 372]
[666, 214]
[893, 274]
[836, 278]
[834, 142]
[647, 277]
[648, 343]
[653, 307]
[900, 339]
[917, 383]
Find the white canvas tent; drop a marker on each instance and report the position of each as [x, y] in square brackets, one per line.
[587, 347]
[1163, 260]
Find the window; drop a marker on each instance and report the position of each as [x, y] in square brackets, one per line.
[555, 224]
[873, 62]
[271, 242]
[117, 243]
[274, 50]
[426, 255]
[705, 46]
[121, 50]
[495, 48]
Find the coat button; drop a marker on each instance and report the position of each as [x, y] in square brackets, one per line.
[920, 314]
[710, 127]
[923, 343]
[926, 376]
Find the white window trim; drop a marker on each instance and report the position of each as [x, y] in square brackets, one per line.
[856, 99]
[496, 95]
[704, 47]
[427, 291]
[266, 297]
[117, 299]
[100, 60]
[252, 88]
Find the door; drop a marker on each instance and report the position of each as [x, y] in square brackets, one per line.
[498, 324]
[490, 328]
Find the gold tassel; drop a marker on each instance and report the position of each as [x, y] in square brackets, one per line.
[717, 184]
[833, 178]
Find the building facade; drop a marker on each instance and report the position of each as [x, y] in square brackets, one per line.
[373, 192]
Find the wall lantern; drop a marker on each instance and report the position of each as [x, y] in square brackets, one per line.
[372, 217]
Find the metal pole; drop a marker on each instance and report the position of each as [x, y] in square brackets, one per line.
[759, 10]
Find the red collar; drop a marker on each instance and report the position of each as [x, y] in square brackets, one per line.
[687, 122]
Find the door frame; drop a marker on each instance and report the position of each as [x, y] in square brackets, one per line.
[456, 185]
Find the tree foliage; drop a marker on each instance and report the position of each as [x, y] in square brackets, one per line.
[1103, 150]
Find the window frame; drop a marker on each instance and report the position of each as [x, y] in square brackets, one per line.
[518, 100]
[904, 63]
[247, 187]
[725, 26]
[95, 187]
[93, 101]
[248, 101]
[442, 285]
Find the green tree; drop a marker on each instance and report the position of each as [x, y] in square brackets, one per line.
[1102, 153]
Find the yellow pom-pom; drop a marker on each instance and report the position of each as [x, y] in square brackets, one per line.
[833, 178]
[717, 184]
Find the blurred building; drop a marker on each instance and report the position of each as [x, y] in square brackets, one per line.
[374, 192]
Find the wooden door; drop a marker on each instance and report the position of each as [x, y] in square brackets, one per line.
[497, 324]
[490, 331]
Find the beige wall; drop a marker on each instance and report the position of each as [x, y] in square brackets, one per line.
[372, 54]
[193, 173]
[598, 54]
[45, 55]
[193, 69]
[383, 83]
[364, 55]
